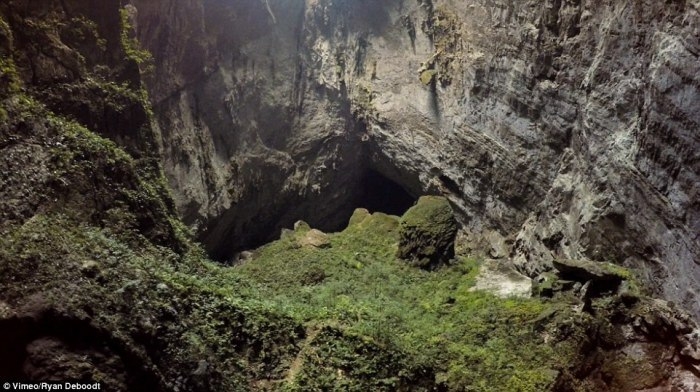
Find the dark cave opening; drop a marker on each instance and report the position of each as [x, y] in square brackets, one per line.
[380, 194]
[329, 211]
[370, 190]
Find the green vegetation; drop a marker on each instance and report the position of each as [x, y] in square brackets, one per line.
[621, 272]
[427, 232]
[132, 47]
[142, 57]
[427, 77]
[423, 321]
[82, 32]
[350, 317]
[89, 236]
[5, 34]
[9, 81]
[9, 78]
[136, 289]
[94, 238]
[118, 97]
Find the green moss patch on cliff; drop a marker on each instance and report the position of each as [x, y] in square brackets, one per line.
[130, 45]
[445, 31]
[9, 77]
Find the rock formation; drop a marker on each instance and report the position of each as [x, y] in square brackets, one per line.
[427, 233]
[569, 128]
[564, 134]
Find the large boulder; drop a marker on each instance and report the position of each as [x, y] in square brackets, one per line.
[427, 233]
[315, 239]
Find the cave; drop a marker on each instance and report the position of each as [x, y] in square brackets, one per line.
[371, 190]
[328, 212]
[380, 194]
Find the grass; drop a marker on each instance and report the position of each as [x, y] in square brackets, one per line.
[472, 340]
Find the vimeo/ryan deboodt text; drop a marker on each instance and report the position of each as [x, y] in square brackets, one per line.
[51, 386]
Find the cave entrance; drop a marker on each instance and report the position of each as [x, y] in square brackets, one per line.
[377, 193]
[370, 189]
[328, 211]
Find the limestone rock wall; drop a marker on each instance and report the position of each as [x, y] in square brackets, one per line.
[567, 127]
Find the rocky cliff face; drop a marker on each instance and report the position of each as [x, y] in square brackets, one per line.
[558, 129]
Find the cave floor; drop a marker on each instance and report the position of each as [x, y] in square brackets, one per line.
[354, 283]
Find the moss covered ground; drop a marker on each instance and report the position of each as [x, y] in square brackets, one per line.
[435, 324]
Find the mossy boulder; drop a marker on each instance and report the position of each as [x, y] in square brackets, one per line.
[379, 223]
[359, 215]
[315, 239]
[427, 233]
